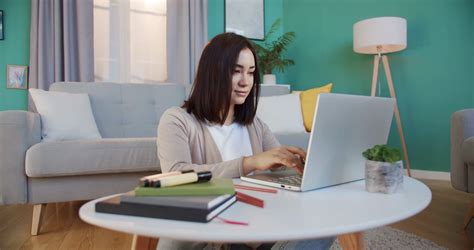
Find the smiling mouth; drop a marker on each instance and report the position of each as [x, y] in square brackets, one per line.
[241, 93]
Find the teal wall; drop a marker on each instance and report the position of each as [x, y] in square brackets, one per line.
[273, 10]
[433, 77]
[14, 49]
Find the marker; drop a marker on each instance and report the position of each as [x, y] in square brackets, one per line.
[147, 181]
[183, 179]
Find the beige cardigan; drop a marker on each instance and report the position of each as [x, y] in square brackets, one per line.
[184, 143]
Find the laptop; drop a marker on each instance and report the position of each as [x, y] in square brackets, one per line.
[344, 126]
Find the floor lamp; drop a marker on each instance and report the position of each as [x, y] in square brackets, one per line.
[379, 36]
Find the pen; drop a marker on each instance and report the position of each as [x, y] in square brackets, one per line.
[186, 178]
[265, 190]
[147, 181]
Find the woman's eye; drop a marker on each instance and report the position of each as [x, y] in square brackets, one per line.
[236, 71]
[251, 73]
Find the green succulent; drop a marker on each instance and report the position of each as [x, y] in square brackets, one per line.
[270, 53]
[383, 153]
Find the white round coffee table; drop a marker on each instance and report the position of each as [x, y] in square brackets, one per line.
[287, 215]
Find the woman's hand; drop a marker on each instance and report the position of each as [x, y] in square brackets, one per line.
[293, 157]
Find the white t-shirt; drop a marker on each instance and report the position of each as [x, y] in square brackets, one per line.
[233, 141]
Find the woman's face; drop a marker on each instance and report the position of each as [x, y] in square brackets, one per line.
[242, 77]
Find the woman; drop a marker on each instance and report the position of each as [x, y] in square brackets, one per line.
[216, 129]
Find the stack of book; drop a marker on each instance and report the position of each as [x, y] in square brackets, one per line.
[198, 202]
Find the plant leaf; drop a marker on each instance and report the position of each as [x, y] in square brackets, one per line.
[270, 53]
[382, 153]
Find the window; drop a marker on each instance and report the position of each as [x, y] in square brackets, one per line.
[130, 41]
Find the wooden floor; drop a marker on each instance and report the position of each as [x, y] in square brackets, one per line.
[62, 228]
[442, 222]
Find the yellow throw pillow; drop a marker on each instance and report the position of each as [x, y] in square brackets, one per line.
[308, 102]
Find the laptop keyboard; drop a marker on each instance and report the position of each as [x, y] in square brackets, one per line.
[294, 180]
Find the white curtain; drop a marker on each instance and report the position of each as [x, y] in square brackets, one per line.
[130, 40]
[148, 40]
[61, 42]
[186, 38]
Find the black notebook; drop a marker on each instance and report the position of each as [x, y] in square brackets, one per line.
[201, 202]
[185, 213]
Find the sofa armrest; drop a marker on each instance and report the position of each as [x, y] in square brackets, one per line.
[18, 131]
[468, 151]
[462, 127]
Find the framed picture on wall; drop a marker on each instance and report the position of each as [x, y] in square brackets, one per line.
[1, 25]
[17, 77]
[245, 17]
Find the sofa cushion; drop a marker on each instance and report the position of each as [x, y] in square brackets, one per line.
[127, 110]
[281, 113]
[87, 157]
[273, 89]
[308, 103]
[468, 150]
[65, 116]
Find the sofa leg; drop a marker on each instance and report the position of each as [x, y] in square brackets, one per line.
[38, 212]
[470, 214]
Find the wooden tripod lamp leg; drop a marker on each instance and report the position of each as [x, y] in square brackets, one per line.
[397, 112]
[375, 75]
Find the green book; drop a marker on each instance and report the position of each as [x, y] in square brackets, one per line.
[213, 187]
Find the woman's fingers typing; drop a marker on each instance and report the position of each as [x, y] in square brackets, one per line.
[287, 156]
[298, 151]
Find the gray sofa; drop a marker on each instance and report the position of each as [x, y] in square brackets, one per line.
[127, 115]
[462, 150]
[462, 155]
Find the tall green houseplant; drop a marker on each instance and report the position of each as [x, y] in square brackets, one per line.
[270, 52]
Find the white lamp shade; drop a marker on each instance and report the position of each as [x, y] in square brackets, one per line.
[380, 35]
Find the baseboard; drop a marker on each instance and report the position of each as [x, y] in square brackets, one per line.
[432, 175]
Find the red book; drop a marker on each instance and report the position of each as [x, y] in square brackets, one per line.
[249, 199]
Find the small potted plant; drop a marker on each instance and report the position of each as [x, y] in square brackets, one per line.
[383, 169]
[270, 53]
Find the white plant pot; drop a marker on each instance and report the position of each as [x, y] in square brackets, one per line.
[269, 79]
[383, 177]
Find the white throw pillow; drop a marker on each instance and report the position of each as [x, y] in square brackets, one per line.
[281, 113]
[65, 116]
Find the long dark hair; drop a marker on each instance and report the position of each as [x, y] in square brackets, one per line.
[212, 89]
